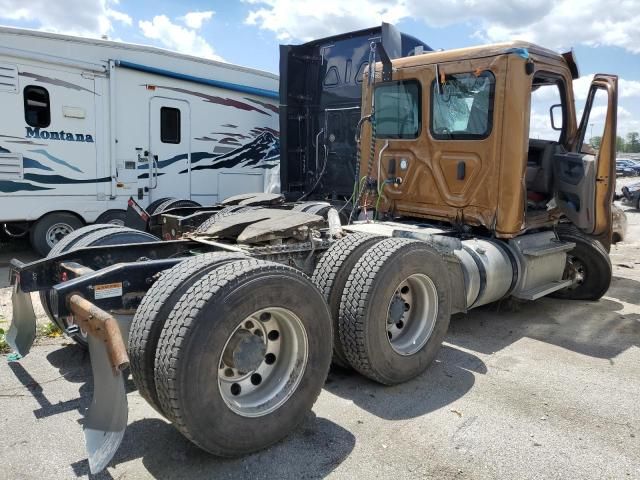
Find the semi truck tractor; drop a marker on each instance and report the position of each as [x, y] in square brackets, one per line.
[414, 188]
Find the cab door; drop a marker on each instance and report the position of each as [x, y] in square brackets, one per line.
[585, 177]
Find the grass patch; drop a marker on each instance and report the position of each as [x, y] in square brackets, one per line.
[4, 346]
[50, 330]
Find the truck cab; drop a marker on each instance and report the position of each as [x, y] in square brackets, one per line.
[458, 136]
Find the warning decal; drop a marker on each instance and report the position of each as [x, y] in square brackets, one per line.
[108, 290]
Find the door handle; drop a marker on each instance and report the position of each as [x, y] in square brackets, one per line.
[155, 174]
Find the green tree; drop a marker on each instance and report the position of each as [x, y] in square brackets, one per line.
[595, 142]
[620, 144]
[633, 142]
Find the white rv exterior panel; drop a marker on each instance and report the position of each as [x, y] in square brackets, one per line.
[104, 143]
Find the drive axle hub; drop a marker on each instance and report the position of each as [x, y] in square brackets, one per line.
[245, 351]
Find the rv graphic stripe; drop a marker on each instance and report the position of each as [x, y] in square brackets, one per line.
[258, 153]
[31, 163]
[56, 82]
[228, 102]
[7, 186]
[57, 160]
[60, 180]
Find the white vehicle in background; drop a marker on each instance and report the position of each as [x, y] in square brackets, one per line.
[86, 124]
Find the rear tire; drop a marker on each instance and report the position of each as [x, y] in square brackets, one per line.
[192, 373]
[331, 274]
[113, 217]
[62, 246]
[52, 228]
[588, 263]
[153, 311]
[395, 310]
[94, 236]
[174, 203]
[151, 208]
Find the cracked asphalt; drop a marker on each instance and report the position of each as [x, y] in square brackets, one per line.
[541, 390]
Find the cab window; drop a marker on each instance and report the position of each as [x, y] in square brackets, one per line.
[462, 106]
[397, 109]
[546, 121]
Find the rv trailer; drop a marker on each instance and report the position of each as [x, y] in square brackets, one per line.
[87, 123]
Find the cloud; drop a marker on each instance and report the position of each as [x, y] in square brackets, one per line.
[177, 37]
[196, 19]
[90, 18]
[305, 20]
[553, 23]
[570, 22]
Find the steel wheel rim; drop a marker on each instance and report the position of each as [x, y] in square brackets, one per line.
[409, 332]
[56, 232]
[577, 272]
[262, 390]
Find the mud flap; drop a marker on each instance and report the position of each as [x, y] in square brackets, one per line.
[22, 331]
[106, 420]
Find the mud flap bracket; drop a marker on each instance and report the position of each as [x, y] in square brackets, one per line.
[22, 331]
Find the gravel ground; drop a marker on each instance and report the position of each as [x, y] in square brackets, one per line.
[538, 390]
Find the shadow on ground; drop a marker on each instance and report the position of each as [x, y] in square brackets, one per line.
[597, 329]
[449, 377]
[313, 451]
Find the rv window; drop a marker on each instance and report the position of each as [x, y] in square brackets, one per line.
[37, 110]
[462, 107]
[169, 125]
[397, 109]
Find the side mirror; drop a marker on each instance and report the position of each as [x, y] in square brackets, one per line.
[555, 112]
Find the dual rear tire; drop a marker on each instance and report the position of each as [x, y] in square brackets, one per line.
[234, 351]
[390, 305]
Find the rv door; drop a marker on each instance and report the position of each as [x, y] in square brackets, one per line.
[169, 149]
[585, 177]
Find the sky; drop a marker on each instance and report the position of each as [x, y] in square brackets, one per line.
[604, 34]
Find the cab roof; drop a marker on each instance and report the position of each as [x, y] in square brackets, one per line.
[524, 49]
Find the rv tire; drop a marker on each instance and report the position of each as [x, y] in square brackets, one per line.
[50, 229]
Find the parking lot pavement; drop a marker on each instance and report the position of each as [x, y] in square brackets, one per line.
[546, 389]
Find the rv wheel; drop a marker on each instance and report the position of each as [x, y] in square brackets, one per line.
[50, 229]
[395, 310]
[152, 313]
[330, 276]
[588, 265]
[243, 356]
